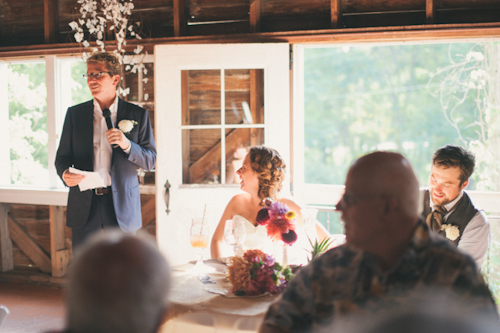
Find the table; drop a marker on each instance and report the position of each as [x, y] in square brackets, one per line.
[194, 309]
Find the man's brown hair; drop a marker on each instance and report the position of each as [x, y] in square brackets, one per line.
[109, 60]
[455, 156]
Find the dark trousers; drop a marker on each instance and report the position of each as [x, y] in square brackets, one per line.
[102, 216]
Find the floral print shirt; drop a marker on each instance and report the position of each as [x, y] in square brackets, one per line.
[345, 280]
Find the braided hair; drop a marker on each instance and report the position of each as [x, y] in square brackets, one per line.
[270, 169]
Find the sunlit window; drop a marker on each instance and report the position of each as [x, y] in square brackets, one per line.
[27, 124]
[24, 114]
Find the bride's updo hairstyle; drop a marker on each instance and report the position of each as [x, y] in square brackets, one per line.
[270, 169]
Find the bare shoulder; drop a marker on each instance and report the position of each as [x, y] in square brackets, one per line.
[239, 200]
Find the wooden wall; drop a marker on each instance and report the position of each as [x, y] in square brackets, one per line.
[35, 221]
[30, 22]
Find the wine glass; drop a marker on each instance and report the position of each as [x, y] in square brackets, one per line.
[199, 240]
[234, 235]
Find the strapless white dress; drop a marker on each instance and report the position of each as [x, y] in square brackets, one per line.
[256, 238]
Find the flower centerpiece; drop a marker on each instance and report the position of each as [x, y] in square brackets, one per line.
[279, 221]
[257, 273]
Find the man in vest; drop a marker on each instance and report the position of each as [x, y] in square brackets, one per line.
[448, 209]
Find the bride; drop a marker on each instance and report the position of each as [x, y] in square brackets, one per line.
[262, 175]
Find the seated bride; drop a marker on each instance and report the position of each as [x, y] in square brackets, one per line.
[262, 175]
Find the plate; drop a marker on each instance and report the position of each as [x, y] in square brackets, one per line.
[230, 294]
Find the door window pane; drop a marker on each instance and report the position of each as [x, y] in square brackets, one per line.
[204, 124]
[244, 95]
[238, 142]
[201, 156]
[201, 97]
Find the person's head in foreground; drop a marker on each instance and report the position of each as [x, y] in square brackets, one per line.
[263, 172]
[117, 283]
[380, 206]
[390, 255]
[451, 168]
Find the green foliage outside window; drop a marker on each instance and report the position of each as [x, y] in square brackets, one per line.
[28, 124]
[412, 99]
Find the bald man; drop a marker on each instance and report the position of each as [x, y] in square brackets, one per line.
[389, 254]
[117, 283]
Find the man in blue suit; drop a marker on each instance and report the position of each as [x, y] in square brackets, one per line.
[87, 144]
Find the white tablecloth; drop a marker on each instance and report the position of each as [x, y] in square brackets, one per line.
[195, 309]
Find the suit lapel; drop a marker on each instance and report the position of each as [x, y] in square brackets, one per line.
[120, 114]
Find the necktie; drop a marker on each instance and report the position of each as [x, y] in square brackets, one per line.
[435, 218]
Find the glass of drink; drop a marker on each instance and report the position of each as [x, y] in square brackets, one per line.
[234, 235]
[199, 240]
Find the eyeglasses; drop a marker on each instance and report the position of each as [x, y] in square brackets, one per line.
[97, 75]
[352, 199]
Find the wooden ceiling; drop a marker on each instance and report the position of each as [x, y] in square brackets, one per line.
[40, 25]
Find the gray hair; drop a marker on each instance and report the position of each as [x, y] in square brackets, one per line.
[117, 283]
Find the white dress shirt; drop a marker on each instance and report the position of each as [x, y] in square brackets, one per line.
[476, 236]
[102, 149]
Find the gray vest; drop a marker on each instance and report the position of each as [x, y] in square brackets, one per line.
[460, 217]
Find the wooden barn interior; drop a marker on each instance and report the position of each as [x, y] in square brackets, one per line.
[35, 244]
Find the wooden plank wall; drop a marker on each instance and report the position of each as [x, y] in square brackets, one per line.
[29, 22]
[35, 221]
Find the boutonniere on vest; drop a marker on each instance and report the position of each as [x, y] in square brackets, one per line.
[126, 125]
[451, 231]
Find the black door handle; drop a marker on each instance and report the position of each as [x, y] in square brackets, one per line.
[167, 196]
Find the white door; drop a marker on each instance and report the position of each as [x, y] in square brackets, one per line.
[213, 101]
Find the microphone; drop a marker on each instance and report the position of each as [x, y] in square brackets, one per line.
[107, 115]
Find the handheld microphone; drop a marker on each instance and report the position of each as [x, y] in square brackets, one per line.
[107, 115]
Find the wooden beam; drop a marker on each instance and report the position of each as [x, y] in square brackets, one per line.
[29, 246]
[255, 15]
[429, 32]
[336, 14]
[59, 254]
[256, 103]
[51, 21]
[180, 22]
[5, 242]
[198, 170]
[430, 11]
[186, 149]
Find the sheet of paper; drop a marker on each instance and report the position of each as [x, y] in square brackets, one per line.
[91, 180]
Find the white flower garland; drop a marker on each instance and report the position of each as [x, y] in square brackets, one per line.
[95, 15]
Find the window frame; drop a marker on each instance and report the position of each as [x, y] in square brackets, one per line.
[56, 193]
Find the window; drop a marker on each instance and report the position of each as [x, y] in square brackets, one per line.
[32, 116]
[409, 98]
[216, 104]
[24, 114]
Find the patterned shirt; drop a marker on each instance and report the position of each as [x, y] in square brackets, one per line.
[346, 280]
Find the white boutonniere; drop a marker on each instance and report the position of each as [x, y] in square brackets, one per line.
[126, 125]
[451, 231]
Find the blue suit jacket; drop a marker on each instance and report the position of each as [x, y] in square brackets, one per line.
[76, 149]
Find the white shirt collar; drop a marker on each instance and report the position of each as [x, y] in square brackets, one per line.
[113, 107]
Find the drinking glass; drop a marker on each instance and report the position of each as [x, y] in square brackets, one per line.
[199, 240]
[234, 235]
